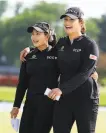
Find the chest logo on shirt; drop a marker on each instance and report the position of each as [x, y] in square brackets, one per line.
[76, 50]
[51, 57]
[33, 57]
[62, 48]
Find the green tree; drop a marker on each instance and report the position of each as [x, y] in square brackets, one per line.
[3, 7]
[18, 6]
[13, 33]
[92, 28]
[52, 15]
[102, 35]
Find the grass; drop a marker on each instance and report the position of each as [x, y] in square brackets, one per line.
[103, 97]
[5, 125]
[8, 94]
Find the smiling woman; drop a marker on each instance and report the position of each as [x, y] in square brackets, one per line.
[77, 59]
[37, 73]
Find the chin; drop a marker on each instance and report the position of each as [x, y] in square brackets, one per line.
[35, 45]
[69, 32]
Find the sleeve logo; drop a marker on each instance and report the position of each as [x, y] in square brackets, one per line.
[93, 57]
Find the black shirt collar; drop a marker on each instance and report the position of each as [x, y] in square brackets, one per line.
[45, 50]
[76, 39]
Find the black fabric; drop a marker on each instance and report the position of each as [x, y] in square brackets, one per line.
[75, 63]
[40, 71]
[80, 91]
[37, 115]
[69, 109]
[80, 98]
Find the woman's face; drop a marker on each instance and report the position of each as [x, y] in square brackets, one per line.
[71, 25]
[39, 38]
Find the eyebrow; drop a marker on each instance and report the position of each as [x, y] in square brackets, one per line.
[35, 31]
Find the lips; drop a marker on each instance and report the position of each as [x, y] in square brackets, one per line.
[35, 41]
[68, 27]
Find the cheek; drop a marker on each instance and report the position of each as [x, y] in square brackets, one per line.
[64, 23]
[43, 38]
[32, 39]
[77, 26]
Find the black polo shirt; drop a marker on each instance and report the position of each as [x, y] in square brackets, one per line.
[39, 72]
[76, 61]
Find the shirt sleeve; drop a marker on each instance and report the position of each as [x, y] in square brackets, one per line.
[90, 57]
[22, 86]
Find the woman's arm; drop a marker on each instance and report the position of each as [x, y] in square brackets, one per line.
[24, 53]
[21, 89]
[22, 86]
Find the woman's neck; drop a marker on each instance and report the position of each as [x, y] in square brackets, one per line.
[75, 35]
[43, 47]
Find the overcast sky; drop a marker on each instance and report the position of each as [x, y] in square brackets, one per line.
[91, 8]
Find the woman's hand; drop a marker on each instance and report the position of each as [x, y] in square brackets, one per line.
[55, 92]
[23, 53]
[95, 76]
[14, 112]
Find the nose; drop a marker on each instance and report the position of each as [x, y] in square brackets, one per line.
[68, 22]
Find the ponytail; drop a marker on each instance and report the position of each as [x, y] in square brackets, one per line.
[54, 40]
[52, 37]
[83, 28]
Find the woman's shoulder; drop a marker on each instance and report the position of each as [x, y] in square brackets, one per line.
[89, 40]
[61, 41]
[29, 55]
[53, 49]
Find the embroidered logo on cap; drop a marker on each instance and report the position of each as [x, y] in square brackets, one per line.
[93, 57]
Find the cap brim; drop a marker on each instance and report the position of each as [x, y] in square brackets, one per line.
[69, 15]
[30, 29]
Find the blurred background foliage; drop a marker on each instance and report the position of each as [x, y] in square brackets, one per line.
[13, 35]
